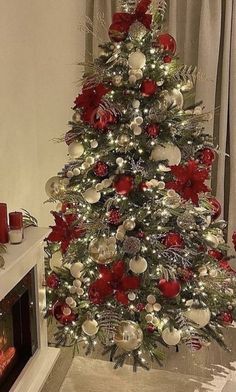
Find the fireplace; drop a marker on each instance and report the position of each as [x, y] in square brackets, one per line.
[18, 330]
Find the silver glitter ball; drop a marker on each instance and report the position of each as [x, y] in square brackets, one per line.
[137, 31]
[186, 221]
[131, 245]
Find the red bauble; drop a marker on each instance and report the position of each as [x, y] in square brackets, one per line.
[206, 156]
[167, 59]
[165, 42]
[153, 130]
[101, 169]
[216, 207]
[169, 288]
[173, 240]
[215, 254]
[186, 274]
[148, 87]
[150, 328]
[226, 317]
[52, 281]
[124, 184]
[114, 216]
[57, 312]
[140, 307]
[140, 234]
[143, 186]
[117, 32]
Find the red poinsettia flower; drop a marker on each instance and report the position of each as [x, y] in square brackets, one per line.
[113, 281]
[91, 96]
[65, 230]
[189, 180]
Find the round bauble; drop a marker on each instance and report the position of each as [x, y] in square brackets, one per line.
[114, 216]
[169, 288]
[138, 265]
[91, 195]
[54, 187]
[76, 269]
[137, 60]
[216, 207]
[201, 317]
[63, 313]
[103, 250]
[148, 87]
[137, 31]
[131, 245]
[117, 32]
[166, 152]
[101, 169]
[90, 327]
[171, 336]
[75, 150]
[52, 281]
[56, 261]
[206, 156]
[117, 80]
[129, 224]
[165, 42]
[151, 299]
[152, 130]
[173, 240]
[123, 140]
[211, 240]
[226, 318]
[128, 335]
[186, 221]
[124, 184]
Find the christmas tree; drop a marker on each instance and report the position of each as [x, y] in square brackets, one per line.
[137, 258]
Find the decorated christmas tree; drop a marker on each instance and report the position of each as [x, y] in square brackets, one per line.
[137, 258]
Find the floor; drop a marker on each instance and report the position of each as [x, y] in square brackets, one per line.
[208, 370]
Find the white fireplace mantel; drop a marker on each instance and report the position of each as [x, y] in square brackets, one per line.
[19, 260]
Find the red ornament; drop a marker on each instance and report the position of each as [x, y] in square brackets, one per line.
[216, 207]
[143, 186]
[148, 87]
[169, 288]
[101, 118]
[124, 184]
[165, 42]
[114, 216]
[215, 254]
[224, 264]
[167, 59]
[140, 307]
[150, 328]
[153, 130]
[101, 169]
[206, 156]
[52, 281]
[186, 274]
[57, 312]
[117, 32]
[226, 317]
[140, 234]
[173, 240]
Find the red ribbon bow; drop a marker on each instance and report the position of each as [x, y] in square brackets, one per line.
[140, 15]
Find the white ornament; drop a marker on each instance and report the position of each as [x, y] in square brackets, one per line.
[137, 130]
[131, 296]
[137, 60]
[213, 273]
[91, 195]
[201, 317]
[151, 299]
[132, 79]
[149, 308]
[203, 271]
[149, 318]
[94, 143]
[138, 74]
[70, 174]
[76, 269]
[77, 283]
[171, 336]
[66, 311]
[69, 301]
[90, 160]
[56, 261]
[120, 161]
[75, 150]
[177, 98]
[138, 120]
[157, 307]
[138, 265]
[79, 291]
[136, 103]
[90, 327]
[76, 171]
[167, 151]
[129, 224]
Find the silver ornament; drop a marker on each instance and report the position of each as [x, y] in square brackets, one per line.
[186, 221]
[123, 140]
[128, 336]
[103, 250]
[137, 31]
[131, 245]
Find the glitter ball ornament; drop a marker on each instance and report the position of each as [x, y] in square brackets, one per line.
[171, 336]
[103, 250]
[173, 240]
[186, 221]
[148, 87]
[169, 288]
[54, 187]
[101, 169]
[131, 245]
[123, 140]
[124, 184]
[137, 31]
[128, 335]
[152, 130]
[75, 150]
[200, 316]
[216, 207]
[137, 60]
[138, 265]
[206, 156]
[165, 42]
[114, 216]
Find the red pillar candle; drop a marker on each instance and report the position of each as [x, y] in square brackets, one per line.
[3, 224]
[16, 220]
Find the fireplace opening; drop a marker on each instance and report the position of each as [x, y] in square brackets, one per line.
[18, 331]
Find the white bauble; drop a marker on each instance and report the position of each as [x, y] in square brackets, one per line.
[177, 98]
[132, 79]
[54, 186]
[201, 317]
[212, 240]
[56, 261]
[91, 195]
[137, 130]
[75, 150]
[90, 327]
[66, 311]
[76, 269]
[77, 283]
[167, 151]
[137, 60]
[171, 337]
[138, 265]
[70, 301]
[149, 318]
[131, 296]
[151, 299]
[76, 171]
[157, 307]
[129, 224]
[94, 143]
[136, 103]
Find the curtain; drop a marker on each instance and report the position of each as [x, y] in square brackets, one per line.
[205, 31]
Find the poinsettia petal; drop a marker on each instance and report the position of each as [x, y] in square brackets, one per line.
[122, 297]
[64, 245]
[130, 283]
[118, 269]
[56, 235]
[106, 274]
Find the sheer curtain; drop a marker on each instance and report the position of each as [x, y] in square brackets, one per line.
[206, 36]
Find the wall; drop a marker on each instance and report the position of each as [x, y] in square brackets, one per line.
[41, 45]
